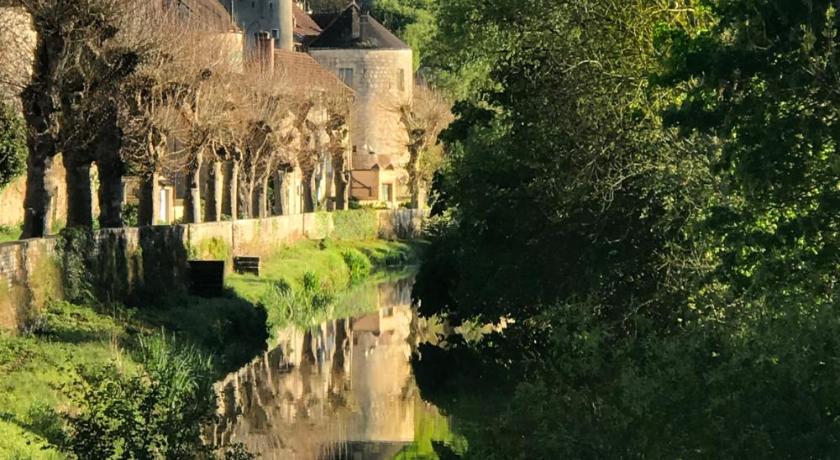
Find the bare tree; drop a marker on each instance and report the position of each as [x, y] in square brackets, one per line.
[424, 118]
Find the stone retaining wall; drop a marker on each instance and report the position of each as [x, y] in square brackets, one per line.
[129, 261]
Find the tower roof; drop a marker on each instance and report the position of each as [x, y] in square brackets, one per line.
[352, 29]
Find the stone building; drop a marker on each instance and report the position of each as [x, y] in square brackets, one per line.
[368, 58]
[284, 20]
[379, 68]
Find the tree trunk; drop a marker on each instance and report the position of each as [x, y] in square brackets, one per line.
[246, 196]
[308, 201]
[280, 205]
[262, 197]
[233, 189]
[36, 202]
[79, 195]
[38, 108]
[214, 203]
[340, 178]
[149, 206]
[192, 210]
[110, 195]
[414, 180]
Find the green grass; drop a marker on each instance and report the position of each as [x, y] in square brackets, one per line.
[33, 368]
[332, 268]
[10, 233]
[325, 259]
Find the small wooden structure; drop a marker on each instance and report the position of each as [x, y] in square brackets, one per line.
[207, 278]
[246, 265]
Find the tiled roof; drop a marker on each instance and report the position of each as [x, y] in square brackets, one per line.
[354, 30]
[306, 29]
[301, 71]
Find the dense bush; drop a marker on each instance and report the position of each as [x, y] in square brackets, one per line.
[157, 411]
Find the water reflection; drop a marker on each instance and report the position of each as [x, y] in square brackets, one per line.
[343, 389]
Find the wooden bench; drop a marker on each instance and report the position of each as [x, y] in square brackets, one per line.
[246, 265]
[207, 278]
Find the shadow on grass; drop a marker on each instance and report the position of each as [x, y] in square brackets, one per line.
[229, 328]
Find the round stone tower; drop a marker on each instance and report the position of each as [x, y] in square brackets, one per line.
[378, 66]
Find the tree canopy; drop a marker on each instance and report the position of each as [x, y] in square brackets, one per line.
[644, 194]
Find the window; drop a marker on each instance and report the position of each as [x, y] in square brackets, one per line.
[387, 194]
[401, 80]
[163, 206]
[346, 75]
[275, 33]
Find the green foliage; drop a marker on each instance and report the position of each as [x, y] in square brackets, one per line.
[666, 251]
[303, 306]
[210, 249]
[411, 20]
[13, 148]
[229, 328]
[156, 413]
[358, 264]
[357, 224]
[76, 253]
[131, 214]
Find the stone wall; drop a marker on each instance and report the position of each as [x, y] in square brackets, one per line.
[126, 263]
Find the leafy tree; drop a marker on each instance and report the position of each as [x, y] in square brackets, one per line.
[562, 184]
[13, 148]
[762, 82]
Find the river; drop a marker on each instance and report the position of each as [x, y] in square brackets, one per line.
[343, 389]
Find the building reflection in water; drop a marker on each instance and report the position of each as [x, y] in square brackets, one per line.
[341, 390]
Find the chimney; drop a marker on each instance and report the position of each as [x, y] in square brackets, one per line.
[287, 25]
[265, 52]
[364, 27]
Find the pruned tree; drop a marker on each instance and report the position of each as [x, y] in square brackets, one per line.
[424, 118]
[84, 52]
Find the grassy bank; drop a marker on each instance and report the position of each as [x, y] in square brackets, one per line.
[37, 367]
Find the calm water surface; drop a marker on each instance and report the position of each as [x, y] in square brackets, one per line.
[341, 390]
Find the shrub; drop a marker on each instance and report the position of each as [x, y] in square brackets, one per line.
[358, 264]
[77, 257]
[156, 413]
[13, 149]
[131, 214]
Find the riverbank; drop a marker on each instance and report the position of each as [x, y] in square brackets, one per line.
[232, 329]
